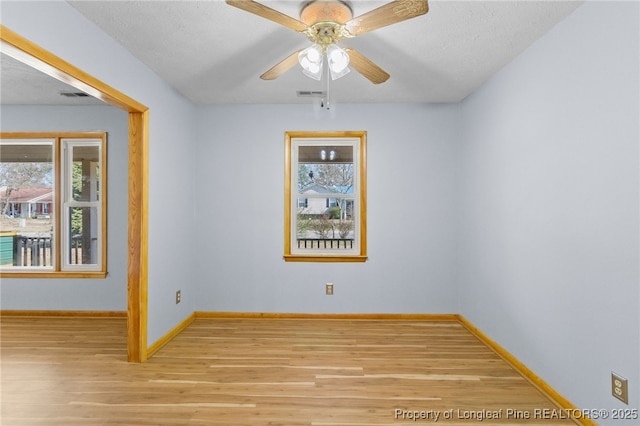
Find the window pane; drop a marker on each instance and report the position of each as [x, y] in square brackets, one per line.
[26, 203]
[86, 173]
[324, 219]
[316, 153]
[83, 238]
[332, 229]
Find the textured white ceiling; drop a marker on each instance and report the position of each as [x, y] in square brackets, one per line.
[214, 53]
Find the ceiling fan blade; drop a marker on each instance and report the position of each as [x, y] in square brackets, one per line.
[268, 13]
[364, 66]
[390, 13]
[281, 67]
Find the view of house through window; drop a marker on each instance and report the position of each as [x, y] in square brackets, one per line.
[325, 210]
[324, 218]
[51, 206]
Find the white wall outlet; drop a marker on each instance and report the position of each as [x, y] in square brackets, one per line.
[329, 289]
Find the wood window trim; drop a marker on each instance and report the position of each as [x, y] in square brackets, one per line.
[362, 193]
[58, 271]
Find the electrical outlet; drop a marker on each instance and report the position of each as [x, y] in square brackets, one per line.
[329, 289]
[178, 296]
[619, 387]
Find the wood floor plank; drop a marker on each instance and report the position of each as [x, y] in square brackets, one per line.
[260, 371]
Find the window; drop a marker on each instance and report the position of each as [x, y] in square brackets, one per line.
[52, 205]
[325, 196]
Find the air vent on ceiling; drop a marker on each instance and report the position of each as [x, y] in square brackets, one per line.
[74, 94]
[311, 93]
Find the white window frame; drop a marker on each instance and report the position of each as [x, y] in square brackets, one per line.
[68, 203]
[293, 142]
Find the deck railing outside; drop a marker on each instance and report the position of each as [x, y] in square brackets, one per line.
[325, 243]
[29, 251]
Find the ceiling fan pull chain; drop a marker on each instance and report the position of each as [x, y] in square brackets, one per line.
[326, 83]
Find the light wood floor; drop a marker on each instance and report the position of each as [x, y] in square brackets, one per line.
[322, 372]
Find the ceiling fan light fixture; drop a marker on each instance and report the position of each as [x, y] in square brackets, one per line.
[338, 60]
[329, 22]
[310, 60]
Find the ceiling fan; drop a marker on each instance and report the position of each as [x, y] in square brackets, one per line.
[326, 23]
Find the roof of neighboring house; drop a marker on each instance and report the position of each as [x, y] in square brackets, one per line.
[319, 189]
[28, 195]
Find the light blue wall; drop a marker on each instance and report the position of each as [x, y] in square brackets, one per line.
[109, 294]
[410, 220]
[549, 205]
[172, 143]
[517, 208]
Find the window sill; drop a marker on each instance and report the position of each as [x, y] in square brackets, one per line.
[326, 258]
[50, 274]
